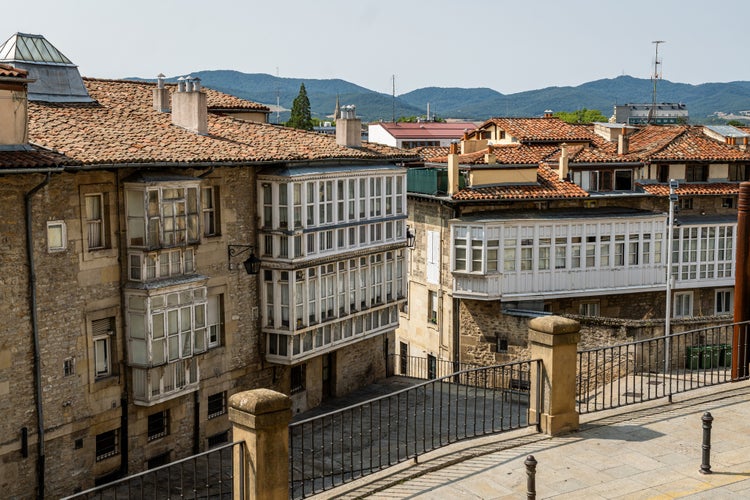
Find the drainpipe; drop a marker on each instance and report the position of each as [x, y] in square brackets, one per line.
[740, 349]
[35, 330]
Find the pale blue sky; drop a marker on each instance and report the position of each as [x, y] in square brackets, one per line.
[507, 46]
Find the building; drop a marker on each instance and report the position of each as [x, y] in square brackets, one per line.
[132, 211]
[663, 113]
[533, 216]
[419, 134]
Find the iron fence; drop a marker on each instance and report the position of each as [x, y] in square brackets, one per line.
[634, 372]
[424, 368]
[346, 444]
[206, 475]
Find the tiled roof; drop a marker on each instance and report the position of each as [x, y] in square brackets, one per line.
[123, 127]
[548, 187]
[426, 153]
[694, 145]
[8, 70]
[693, 189]
[427, 130]
[542, 129]
[34, 157]
[506, 154]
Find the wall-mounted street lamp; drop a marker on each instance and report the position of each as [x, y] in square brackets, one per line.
[251, 264]
[410, 238]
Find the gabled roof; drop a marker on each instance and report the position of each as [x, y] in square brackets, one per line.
[123, 127]
[506, 154]
[32, 157]
[426, 130]
[693, 189]
[542, 129]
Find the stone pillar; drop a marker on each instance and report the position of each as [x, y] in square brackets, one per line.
[554, 340]
[260, 418]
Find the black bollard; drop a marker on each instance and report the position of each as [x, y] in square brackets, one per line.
[706, 459]
[530, 464]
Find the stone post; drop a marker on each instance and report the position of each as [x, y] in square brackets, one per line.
[554, 340]
[260, 418]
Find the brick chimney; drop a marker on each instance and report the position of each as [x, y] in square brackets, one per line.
[489, 157]
[13, 106]
[548, 113]
[189, 108]
[349, 128]
[161, 95]
[563, 170]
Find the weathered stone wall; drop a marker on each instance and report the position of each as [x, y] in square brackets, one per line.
[359, 364]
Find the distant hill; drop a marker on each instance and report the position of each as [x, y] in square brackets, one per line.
[479, 104]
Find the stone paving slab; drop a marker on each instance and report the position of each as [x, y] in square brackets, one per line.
[647, 451]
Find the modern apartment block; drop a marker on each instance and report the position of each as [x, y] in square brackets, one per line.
[158, 240]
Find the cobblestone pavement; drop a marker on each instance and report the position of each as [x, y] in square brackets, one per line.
[647, 451]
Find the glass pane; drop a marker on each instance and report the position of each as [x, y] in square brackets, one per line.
[138, 352]
[136, 326]
[158, 325]
[157, 352]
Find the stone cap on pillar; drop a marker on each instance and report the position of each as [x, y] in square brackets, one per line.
[260, 401]
[554, 330]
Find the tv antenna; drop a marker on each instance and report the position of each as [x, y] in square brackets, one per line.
[655, 77]
[393, 100]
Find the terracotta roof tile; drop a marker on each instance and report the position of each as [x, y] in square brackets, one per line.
[33, 157]
[548, 187]
[8, 70]
[693, 189]
[542, 129]
[122, 127]
[506, 154]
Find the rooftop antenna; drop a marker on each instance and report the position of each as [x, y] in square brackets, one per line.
[393, 119]
[655, 77]
[277, 95]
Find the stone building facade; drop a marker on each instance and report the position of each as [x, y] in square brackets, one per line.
[536, 216]
[129, 320]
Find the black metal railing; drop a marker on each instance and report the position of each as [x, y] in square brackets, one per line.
[206, 475]
[424, 368]
[341, 446]
[609, 377]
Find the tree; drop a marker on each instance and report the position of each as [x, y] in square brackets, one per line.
[300, 116]
[581, 116]
[736, 123]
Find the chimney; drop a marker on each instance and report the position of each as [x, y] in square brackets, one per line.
[548, 113]
[623, 143]
[563, 171]
[161, 95]
[489, 157]
[453, 169]
[349, 128]
[13, 106]
[189, 108]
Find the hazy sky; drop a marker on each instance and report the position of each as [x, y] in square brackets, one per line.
[507, 46]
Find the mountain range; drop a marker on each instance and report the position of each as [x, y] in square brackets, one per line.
[706, 103]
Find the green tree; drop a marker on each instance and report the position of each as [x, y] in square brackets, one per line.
[300, 116]
[581, 116]
[736, 123]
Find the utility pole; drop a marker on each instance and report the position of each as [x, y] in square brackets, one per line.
[673, 185]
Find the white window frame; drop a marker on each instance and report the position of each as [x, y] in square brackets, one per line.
[682, 306]
[57, 236]
[721, 295]
[96, 227]
[589, 309]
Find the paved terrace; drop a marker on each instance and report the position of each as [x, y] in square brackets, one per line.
[650, 450]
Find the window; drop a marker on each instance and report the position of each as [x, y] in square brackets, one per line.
[57, 238]
[107, 444]
[69, 367]
[211, 222]
[95, 221]
[727, 202]
[162, 216]
[217, 404]
[217, 439]
[696, 173]
[589, 309]
[685, 203]
[433, 257]
[432, 307]
[214, 319]
[683, 305]
[502, 345]
[297, 379]
[724, 301]
[102, 331]
[158, 425]
[623, 180]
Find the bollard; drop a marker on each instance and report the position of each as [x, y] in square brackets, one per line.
[706, 460]
[530, 464]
